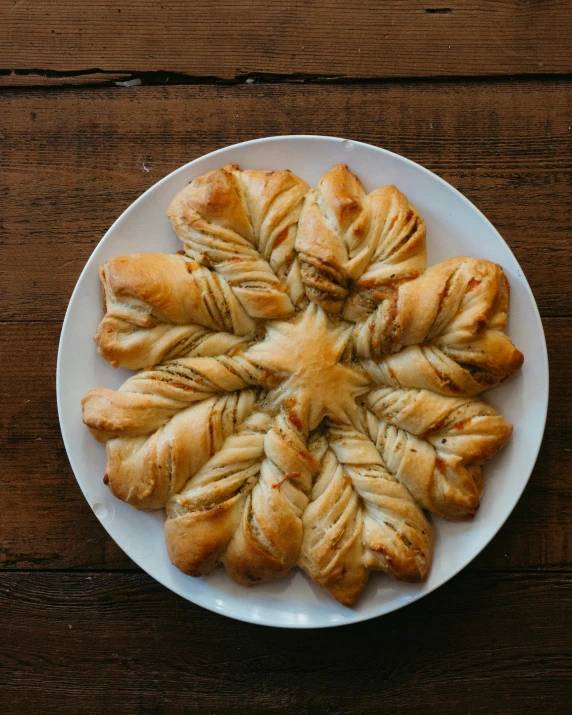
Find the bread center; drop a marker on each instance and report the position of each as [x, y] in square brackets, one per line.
[307, 352]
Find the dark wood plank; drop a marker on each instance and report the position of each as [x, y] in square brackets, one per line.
[73, 160]
[47, 524]
[305, 37]
[121, 643]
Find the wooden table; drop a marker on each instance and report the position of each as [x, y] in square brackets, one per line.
[480, 93]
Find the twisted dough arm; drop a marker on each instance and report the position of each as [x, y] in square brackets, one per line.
[435, 445]
[150, 398]
[145, 471]
[133, 347]
[158, 307]
[243, 224]
[360, 518]
[442, 331]
[245, 506]
[345, 236]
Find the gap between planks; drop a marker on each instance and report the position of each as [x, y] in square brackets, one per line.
[26, 79]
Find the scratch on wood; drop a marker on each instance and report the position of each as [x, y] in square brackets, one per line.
[16, 4]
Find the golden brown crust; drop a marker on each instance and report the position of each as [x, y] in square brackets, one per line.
[350, 240]
[160, 306]
[272, 443]
[243, 224]
[442, 331]
[244, 506]
[147, 470]
[149, 399]
[360, 519]
[435, 445]
[196, 541]
[110, 413]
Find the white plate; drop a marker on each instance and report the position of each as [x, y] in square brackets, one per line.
[454, 227]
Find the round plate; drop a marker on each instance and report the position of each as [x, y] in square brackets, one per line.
[454, 227]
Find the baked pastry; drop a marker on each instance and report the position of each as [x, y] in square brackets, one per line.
[159, 306]
[243, 225]
[435, 445]
[247, 256]
[300, 406]
[350, 241]
[442, 331]
[361, 518]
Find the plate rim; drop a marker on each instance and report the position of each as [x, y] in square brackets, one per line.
[515, 496]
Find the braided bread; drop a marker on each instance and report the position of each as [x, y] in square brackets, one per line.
[146, 470]
[160, 306]
[346, 237]
[244, 507]
[243, 224]
[308, 387]
[442, 331]
[150, 398]
[360, 519]
[435, 445]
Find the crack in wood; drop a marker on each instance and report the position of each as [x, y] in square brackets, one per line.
[94, 77]
[158, 77]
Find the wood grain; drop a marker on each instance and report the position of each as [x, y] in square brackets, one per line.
[480, 93]
[47, 523]
[325, 38]
[72, 160]
[148, 651]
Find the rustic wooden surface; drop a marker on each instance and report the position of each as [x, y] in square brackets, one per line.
[480, 93]
[319, 38]
[111, 644]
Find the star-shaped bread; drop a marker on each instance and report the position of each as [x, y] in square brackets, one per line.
[306, 389]
[308, 352]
